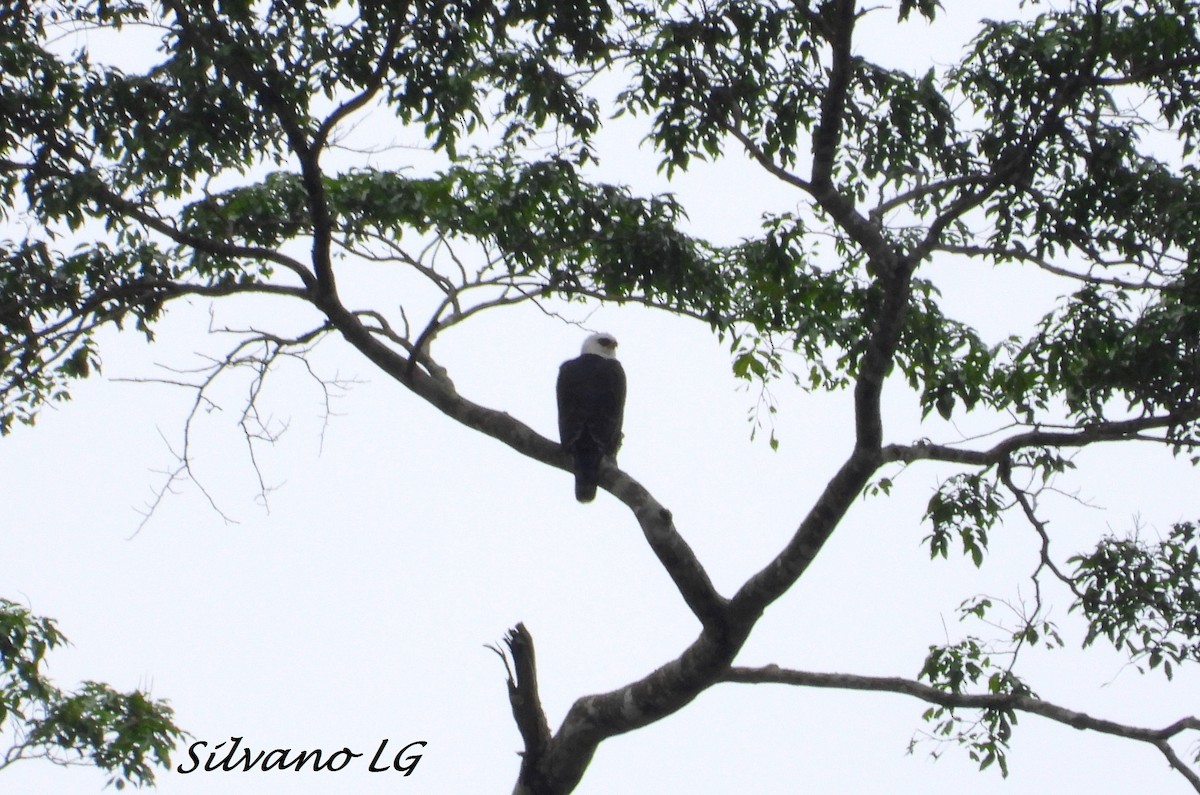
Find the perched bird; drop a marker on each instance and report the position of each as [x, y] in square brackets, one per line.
[591, 408]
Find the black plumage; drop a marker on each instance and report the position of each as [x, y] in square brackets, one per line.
[591, 410]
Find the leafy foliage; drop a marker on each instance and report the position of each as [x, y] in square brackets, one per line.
[1145, 598]
[124, 734]
[1096, 350]
[966, 505]
[51, 304]
[987, 737]
[112, 143]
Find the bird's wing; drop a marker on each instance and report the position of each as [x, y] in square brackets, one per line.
[568, 389]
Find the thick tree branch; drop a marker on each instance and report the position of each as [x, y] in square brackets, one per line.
[672, 550]
[1147, 72]
[433, 386]
[893, 274]
[828, 133]
[675, 684]
[441, 394]
[655, 520]
[769, 584]
[593, 719]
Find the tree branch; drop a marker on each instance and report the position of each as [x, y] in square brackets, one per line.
[126, 207]
[656, 522]
[372, 85]
[526, 706]
[259, 352]
[226, 51]
[1022, 498]
[668, 689]
[833, 104]
[1025, 256]
[1023, 702]
[827, 138]
[1115, 430]
[1018, 160]
[877, 213]
[755, 151]
[672, 551]
[771, 582]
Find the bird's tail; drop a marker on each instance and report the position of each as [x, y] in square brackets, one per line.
[587, 472]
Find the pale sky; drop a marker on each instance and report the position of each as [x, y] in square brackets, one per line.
[356, 606]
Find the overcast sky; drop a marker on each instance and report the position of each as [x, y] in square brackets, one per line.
[356, 605]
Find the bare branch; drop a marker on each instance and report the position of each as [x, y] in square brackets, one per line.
[259, 351]
[526, 705]
[181, 471]
[1023, 499]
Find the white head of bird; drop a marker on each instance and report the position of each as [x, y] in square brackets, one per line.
[601, 345]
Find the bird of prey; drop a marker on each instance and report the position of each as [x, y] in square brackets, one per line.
[591, 408]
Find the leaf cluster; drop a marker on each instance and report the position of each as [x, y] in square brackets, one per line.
[540, 217]
[125, 734]
[967, 505]
[50, 305]
[1098, 349]
[234, 88]
[704, 71]
[1056, 95]
[952, 668]
[1054, 163]
[1144, 598]
[1032, 147]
